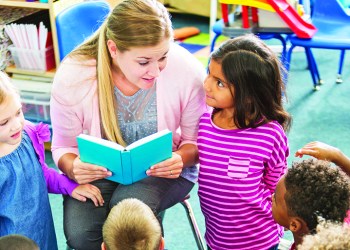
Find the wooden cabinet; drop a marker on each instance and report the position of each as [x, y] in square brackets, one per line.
[53, 8]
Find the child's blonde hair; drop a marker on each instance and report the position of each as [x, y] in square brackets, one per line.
[16, 241]
[329, 236]
[6, 87]
[132, 225]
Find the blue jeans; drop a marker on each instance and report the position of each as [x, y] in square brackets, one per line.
[83, 221]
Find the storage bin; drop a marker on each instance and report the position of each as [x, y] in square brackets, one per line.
[30, 59]
[36, 106]
[270, 20]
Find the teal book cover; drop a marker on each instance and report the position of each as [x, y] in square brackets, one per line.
[127, 164]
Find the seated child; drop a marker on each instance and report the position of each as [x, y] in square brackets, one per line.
[332, 236]
[17, 242]
[131, 224]
[25, 178]
[310, 189]
[323, 151]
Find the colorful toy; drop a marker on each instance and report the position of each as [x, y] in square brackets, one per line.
[288, 14]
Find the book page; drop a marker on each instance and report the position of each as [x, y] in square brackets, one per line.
[147, 139]
[103, 142]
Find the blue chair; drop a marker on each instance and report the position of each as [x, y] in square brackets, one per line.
[333, 24]
[77, 22]
[217, 29]
[193, 223]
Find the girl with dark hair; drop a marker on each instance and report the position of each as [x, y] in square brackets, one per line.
[242, 145]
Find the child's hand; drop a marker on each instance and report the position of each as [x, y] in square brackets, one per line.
[84, 191]
[318, 150]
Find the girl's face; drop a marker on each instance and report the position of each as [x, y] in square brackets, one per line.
[219, 93]
[11, 121]
[139, 67]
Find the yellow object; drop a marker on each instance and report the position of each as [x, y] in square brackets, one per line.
[47, 146]
[260, 4]
[300, 10]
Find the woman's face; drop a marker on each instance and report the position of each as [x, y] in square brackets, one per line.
[139, 67]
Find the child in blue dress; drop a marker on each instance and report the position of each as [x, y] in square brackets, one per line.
[25, 178]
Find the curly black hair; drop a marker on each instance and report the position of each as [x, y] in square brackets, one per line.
[315, 188]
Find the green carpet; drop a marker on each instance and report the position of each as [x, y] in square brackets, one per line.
[322, 115]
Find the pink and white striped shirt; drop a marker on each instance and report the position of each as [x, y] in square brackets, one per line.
[239, 170]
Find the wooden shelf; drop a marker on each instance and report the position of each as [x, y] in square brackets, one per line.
[53, 7]
[13, 69]
[24, 4]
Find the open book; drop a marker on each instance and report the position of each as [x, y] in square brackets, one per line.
[128, 164]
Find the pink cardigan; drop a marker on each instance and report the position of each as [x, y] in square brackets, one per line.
[74, 101]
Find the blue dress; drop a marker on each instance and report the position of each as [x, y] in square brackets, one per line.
[24, 200]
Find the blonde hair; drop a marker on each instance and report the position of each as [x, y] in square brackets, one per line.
[131, 225]
[6, 87]
[132, 23]
[329, 236]
[17, 242]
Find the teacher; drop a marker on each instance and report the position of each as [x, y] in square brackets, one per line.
[127, 81]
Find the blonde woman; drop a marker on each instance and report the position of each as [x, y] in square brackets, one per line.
[127, 81]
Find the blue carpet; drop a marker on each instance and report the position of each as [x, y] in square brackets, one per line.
[193, 48]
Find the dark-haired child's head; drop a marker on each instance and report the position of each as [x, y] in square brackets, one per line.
[309, 190]
[253, 75]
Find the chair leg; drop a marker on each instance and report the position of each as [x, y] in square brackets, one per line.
[341, 61]
[288, 58]
[212, 45]
[194, 226]
[283, 55]
[313, 69]
[284, 47]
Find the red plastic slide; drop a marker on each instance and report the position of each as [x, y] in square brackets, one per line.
[299, 26]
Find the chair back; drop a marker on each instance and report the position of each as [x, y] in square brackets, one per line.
[77, 22]
[329, 11]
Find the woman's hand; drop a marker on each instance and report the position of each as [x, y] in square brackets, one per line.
[85, 173]
[170, 168]
[82, 192]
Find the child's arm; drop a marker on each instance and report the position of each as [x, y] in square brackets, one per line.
[276, 166]
[60, 184]
[326, 152]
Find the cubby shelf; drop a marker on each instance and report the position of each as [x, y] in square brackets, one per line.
[53, 7]
[25, 4]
